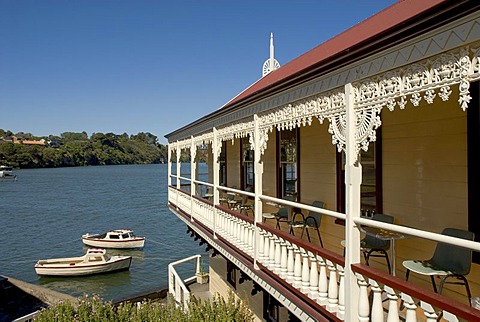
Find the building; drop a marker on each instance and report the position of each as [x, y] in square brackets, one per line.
[381, 119]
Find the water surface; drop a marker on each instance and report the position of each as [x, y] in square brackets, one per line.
[45, 212]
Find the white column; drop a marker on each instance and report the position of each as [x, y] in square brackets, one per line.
[179, 151]
[258, 172]
[169, 162]
[353, 179]
[216, 179]
[193, 167]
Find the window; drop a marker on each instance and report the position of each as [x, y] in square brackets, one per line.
[248, 179]
[371, 188]
[371, 197]
[287, 156]
[223, 165]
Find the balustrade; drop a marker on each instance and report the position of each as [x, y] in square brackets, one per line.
[318, 274]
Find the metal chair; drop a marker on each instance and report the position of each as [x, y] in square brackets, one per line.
[372, 246]
[447, 261]
[312, 221]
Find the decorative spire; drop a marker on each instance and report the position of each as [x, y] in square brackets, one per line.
[270, 64]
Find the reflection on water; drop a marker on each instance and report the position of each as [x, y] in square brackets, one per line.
[94, 284]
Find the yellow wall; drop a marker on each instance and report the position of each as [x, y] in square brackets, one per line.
[425, 178]
[233, 163]
[269, 160]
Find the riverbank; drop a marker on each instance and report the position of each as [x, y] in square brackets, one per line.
[18, 298]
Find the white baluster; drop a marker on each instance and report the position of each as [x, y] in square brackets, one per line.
[449, 317]
[261, 245]
[377, 307]
[305, 274]
[411, 307]
[341, 292]
[251, 238]
[283, 259]
[392, 304]
[297, 271]
[278, 257]
[266, 249]
[271, 256]
[332, 288]
[363, 305]
[429, 312]
[290, 263]
[313, 292]
[322, 282]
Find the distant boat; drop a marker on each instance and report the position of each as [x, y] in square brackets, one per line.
[95, 261]
[119, 238]
[6, 172]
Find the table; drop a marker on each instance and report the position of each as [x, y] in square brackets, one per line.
[387, 235]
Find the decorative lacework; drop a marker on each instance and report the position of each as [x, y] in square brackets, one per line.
[428, 80]
[205, 138]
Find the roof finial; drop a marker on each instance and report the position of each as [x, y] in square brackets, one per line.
[270, 64]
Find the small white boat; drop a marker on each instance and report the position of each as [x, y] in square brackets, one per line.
[95, 261]
[119, 238]
[6, 172]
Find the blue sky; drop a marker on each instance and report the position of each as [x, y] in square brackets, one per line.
[147, 66]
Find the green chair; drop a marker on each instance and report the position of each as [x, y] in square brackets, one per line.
[376, 247]
[447, 261]
[312, 221]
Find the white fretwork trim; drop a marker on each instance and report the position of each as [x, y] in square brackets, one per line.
[205, 138]
[235, 131]
[430, 80]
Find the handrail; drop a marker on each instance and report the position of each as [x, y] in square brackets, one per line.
[27, 318]
[176, 286]
[419, 233]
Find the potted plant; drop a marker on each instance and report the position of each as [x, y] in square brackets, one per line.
[202, 274]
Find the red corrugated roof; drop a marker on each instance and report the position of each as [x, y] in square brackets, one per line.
[386, 19]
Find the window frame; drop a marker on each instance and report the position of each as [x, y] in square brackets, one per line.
[280, 163]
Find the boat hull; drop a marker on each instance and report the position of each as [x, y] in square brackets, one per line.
[102, 243]
[64, 267]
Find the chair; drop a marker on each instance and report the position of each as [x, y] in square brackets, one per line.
[372, 246]
[447, 261]
[312, 221]
[231, 201]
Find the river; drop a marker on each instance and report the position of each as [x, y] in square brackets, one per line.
[45, 212]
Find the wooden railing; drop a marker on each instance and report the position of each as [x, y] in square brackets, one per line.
[316, 273]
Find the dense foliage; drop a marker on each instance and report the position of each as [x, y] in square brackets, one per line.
[93, 309]
[77, 149]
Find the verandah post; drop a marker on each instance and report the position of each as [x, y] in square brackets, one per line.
[353, 179]
[258, 172]
[216, 179]
[193, 167]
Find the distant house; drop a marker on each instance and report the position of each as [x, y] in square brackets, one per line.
[6, 139]
[32, 142]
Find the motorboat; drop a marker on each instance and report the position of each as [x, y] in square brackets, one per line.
[6, 172]
[95, 261]
[119, 238]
